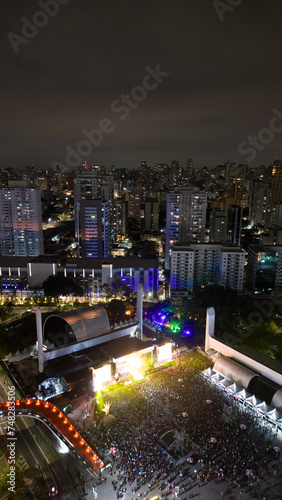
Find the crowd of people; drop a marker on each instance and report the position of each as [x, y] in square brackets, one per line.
[225, 441]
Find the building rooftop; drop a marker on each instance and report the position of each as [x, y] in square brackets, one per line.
[124, 346]
[117, 262]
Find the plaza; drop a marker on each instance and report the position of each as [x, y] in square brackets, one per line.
[231, 449]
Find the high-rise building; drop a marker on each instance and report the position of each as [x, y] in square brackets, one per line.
[86, 186]
[218, 226]
[94, 231]
[119, 218]
[234, 224]
[259, 203]
[188, 173]
[264, 270]
[232, 264]
[20, 220]
[152, 214]
[107, 187]
[203, 265]
[134, 204]
[175, 174]
[276, 218]
[185, 218]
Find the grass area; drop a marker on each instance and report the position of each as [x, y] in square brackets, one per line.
[196, 361]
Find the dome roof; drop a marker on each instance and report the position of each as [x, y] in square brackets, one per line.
[77, 325]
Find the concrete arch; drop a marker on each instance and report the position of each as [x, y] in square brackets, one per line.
[77, 325]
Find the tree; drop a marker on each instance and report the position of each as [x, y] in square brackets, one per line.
[106, 291]
[116, 309]
[54, 286]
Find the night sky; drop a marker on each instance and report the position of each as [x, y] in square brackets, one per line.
[224, 81]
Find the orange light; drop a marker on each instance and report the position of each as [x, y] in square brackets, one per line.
[101, 465]
[88, 449]
[38, 402]
[65, 421]
[18, 402]
[28, 401]
[54, 409]
[76, 435]
[7, 403]
[82, 442]
[71, 428]
[60, 415]
[46, 405]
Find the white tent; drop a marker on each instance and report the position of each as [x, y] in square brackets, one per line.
[208, 372]
[225, 383]
[217, 377]
[243, 394]
[263, 407]
[279, 421]
[252, 401]
[274, 415]
[235, 389]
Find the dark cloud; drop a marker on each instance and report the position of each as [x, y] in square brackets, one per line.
[225, 79]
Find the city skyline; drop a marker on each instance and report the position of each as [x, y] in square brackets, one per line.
[155, 82]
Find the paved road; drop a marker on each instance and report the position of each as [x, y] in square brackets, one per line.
[33, 447]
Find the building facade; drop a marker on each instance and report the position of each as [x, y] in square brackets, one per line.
[185, 218]
[94, 230]
[264, 270]
[152, 214]
[201, 265]
[22, 274]
[218, 226]
[234, 224]
[20, 221]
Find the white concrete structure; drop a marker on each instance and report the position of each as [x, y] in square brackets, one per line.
[80, 329]
[213, 345]
[140, 311]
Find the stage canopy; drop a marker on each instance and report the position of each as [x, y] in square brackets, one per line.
[77, 325]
